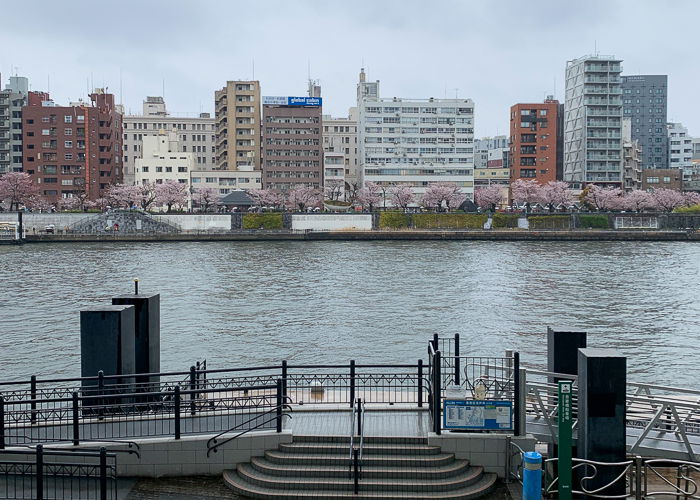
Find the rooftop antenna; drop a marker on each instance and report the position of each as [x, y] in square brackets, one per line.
[253, 69]
[595, 47]
[121, 93]
[48, 84]
[163, 89]
[456, 93]
[92, 83]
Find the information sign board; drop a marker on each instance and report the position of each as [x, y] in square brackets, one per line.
[477, 415]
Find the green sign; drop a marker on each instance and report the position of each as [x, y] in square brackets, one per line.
[564, 441]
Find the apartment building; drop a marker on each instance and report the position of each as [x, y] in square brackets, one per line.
[415, 141]
[292, 142]
[484, 145]
[666, 178]
[226, 181]
[69, 150]
[195, 135]
[536, 140]
[593, 121]
[644, 102]
[340, 150]
[162, 160]
[680, 149]
[12, 99]
[238, 128]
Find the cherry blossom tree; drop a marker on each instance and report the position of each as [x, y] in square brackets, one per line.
[401, 196]
[555, 193]
[668, 199]
[601, 198]
[439, 193]
[147, 194]
[100, 203]
[205, 198]
[72, 203]
[39, 203]
[369, 196]
[17, 188]
[692, 198]
[171, 193]
[638, 200]
[488, 197]
[302, 197]
[334, 189]
[265, 198]
[123, 195]
[525, 192]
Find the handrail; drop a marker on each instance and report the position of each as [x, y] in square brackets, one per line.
[213, 445]
[361, 425]
[352, 435]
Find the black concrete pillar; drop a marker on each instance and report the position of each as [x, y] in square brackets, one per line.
[562, 350]
[147, 332]
[602, 380]
[107, 343]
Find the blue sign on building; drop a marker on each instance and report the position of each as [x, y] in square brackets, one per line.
[292, 101]
[478, 415]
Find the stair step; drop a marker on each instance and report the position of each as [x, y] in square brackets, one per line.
[344, 483]
[283, 470]
[367, 439]
[385, 460]
[367, 448]
[241, 486]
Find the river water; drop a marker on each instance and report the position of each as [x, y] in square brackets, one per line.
[249, 303]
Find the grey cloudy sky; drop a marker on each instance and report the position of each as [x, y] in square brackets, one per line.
[497, 53]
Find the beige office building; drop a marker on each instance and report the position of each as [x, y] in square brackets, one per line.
[237, 112]
[195, 135]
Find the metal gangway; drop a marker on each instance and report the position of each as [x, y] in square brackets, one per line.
[662, 421]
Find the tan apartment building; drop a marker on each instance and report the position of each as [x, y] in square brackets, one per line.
[237, 112]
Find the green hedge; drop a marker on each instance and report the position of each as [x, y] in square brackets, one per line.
[550, 222]
[263, 221]
[500, 220]
[594, 221]
[393, 220]
[449, 221]
[695, 209]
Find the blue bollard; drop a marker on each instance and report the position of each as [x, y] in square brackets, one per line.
[532, 476]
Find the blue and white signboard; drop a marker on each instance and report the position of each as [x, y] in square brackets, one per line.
[478, 415]
[291, 101]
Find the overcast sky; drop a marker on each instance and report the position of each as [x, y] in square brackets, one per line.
[497, 53]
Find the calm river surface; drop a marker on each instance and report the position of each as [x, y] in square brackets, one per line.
[248, 303]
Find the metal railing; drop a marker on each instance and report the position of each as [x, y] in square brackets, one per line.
[58, 475]
[355, 462]
[470, 377]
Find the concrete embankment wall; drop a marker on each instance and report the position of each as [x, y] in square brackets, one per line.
[475, 235]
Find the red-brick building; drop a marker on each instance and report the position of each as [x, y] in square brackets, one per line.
[70, 150]
[536, 141]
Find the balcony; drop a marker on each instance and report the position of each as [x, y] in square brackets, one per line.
[604, 112]
[595, 101]
[603, 67]
[603, 123]
[595, 157]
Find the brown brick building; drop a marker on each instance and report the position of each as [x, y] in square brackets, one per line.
[536, 141]
[292, 144]
[667, 178]
[70, 150]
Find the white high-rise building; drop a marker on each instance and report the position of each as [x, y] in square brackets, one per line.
[680, 149]
[340, 150]
[196, 135]
[593, 121]
[415, 141]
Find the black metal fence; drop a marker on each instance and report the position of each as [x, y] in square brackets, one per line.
[56, 475]
[482, 378]
[198, 401]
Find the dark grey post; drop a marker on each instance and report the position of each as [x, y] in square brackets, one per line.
[2, 423]
[456, 354]
[146, 333]
[284, 380]
[602, 380]
[103, 473]
[562, 350]
[20, 224]
[32, 385]
[193, 393]
[437, 393]
[352, 383]
[279, 405]
[516, 396]
[76, 419]
[420, 383]
[107, 344]
[40, 472]
[359, 416]
[177, 412]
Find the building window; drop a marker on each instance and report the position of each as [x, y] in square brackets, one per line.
[68, 144]
[168, 169]
[652, 180]
[159, 169]
[667, 180]
[67, 119]
[144, 169]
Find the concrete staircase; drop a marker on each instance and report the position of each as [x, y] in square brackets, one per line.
[318, 467]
